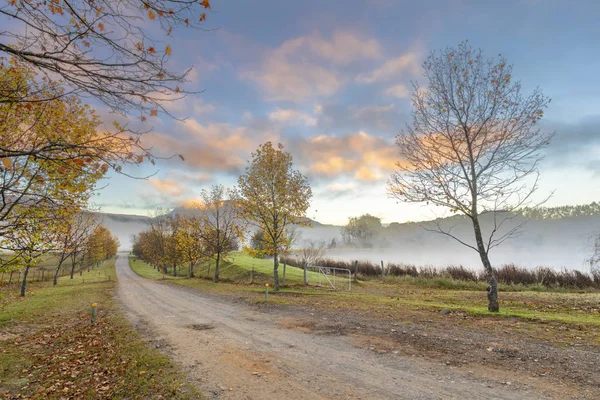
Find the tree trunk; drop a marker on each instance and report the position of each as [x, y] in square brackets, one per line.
[284, 265]
[55, 280]
[217, 261]
[73, 263]
[305, 278]
[191, 269]
[24, 281]
[174, 269]
[492, 289]
[276, 269]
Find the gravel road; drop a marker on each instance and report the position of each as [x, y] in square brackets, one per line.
[234, 352]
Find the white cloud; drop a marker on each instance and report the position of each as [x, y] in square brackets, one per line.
[290, 115]
[400, 91]
[406, 64]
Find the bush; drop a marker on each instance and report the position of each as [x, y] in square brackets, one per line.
[508, 274]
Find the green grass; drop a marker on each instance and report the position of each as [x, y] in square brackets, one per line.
[236, 268]
[49, 350]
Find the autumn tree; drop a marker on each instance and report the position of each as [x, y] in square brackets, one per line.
[30, 240]
[116, 52]
[473, 145]
[272, 195]
[71, 237]
[360, 231]
[191, 243]
[174, 251]
[221, 228]
[48, 143]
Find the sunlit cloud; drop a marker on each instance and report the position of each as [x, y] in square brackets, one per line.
[308, 66]
[407, 64]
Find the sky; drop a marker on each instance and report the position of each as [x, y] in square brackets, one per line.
[331, 80]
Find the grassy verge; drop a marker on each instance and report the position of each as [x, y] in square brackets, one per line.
[49, 350]
[541, 314]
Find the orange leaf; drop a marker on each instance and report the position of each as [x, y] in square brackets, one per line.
[203, 17]
[140, 159]
[160, 76]
[160, 13]
[151, 15]
[86, 43]
[6, 162]
[101, 26]
[168, 50]
[205, 4]
[187, 21]
[143, 118]
[153, 113]
[151, 50]
[177, 89]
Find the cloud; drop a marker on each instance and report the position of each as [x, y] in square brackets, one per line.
[212, 147]
[360, 156]
[307, 66]
[383, 118]
[400, 91]
[340, 187]
[167, 187]
[407, 64]
[292, 116]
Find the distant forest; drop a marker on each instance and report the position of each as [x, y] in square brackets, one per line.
[584, 210]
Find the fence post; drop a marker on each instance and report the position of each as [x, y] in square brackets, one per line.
[252, 283]
[355, 270]
[382, 270]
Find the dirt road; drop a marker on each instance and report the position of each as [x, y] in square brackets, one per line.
[234, 352]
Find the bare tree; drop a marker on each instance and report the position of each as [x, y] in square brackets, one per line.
[594, 260]
[102, 48]
[310, 255]
[473, 146]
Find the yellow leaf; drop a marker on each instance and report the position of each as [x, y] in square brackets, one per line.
[6, 162]
[168, 50]
[151, 15]
[205, 4]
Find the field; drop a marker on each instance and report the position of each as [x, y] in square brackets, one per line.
[555, 335]
[49, 349]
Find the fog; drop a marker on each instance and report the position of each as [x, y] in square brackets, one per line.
[561, 243]
[558, 243]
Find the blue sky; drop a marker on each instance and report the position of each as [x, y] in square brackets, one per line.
[331, 80]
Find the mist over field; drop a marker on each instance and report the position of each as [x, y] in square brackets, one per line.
[558, 243]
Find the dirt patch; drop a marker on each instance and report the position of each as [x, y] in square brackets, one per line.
[200, 327]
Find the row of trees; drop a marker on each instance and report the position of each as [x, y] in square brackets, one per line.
[53, 148]
[79, 240]
[270, 200]
[210, 231]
